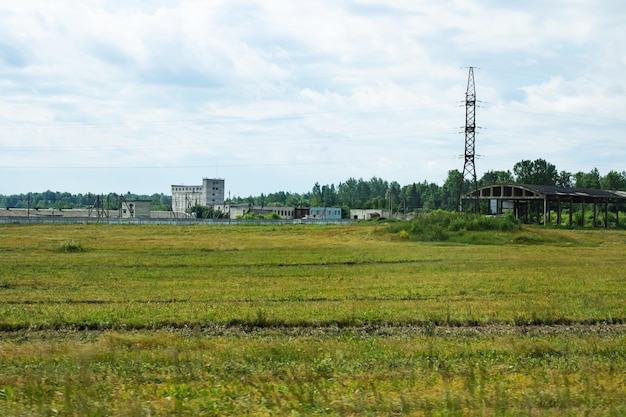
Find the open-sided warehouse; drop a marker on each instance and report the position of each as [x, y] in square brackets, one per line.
[527, 200]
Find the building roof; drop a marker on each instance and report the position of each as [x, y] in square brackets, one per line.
[545, 192]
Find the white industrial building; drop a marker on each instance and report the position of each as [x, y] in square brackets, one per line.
[367, 214]
[130, 209]
[210, 194]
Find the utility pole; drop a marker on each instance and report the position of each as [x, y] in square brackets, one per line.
[469, 166]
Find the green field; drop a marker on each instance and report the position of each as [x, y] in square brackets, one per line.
[305, 319]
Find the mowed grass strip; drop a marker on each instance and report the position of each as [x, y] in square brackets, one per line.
[266, 373]
[167, 276]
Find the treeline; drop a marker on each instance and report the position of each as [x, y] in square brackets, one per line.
[426, 196]
[64, 200]
[374, 193]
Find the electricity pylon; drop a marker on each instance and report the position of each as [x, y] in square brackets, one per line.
[469, 165]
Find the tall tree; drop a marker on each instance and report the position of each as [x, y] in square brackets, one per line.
[450, 190]
[496, 177]
[363, 193]
[538, 172]
[294, 200]
[347, 192]
[413, 201]
[588, 180]
[328, 195]
[431, 197]
[378, 187]
[394, 195]
[614, 180]
[316, 196]
[564, 179]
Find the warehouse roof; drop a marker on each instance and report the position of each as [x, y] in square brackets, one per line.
[546, 192]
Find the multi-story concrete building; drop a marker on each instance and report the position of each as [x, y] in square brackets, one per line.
[210, 194]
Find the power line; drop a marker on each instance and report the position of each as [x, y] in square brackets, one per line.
[228, 165]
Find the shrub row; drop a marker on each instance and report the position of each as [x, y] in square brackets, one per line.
[441, 225]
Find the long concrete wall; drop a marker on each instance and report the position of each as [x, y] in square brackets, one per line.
[174, 222]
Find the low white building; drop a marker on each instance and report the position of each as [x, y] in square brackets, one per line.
[367, 214]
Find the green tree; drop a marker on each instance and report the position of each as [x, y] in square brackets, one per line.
[378, 187]
[347, 193]
[564, 179]
[614, 180]
[329, 195]
[394, 195]
[496, 177]
[206, 212]
[538, 172]
[588, 180]
[294, 200]
[277, 199]
[363, 193]
[413, 199]
[449, 192]
[316, 196]
[431, 197]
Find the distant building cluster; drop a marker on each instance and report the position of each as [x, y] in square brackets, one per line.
[128, 209]
[211, 194]
[184, 197]
[316, 213]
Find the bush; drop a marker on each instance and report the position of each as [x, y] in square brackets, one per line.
[255, 216]
[71, 247]
[444, 225]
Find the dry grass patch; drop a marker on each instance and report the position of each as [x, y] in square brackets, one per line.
[340, 320]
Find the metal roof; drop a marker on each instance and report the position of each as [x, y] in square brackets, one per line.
[545, 192]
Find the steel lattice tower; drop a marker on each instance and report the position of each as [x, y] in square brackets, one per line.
[469, 166]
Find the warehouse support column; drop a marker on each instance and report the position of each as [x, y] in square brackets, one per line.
[583, 222]
[571, 207]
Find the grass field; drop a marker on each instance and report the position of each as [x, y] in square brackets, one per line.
[304, 319]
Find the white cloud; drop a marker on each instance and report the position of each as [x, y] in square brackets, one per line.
[253, 91]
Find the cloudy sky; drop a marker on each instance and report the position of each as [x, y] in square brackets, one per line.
[136, 95]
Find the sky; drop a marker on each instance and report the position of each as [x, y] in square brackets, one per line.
[275, 95]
